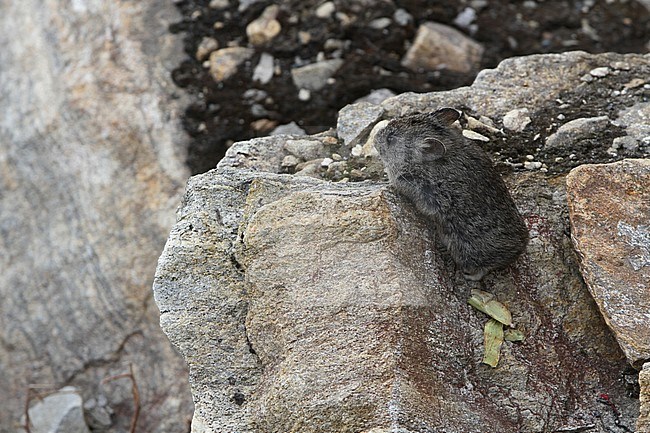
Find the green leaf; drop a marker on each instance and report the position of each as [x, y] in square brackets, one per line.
[492, 338]
[485, 302]
[514, 335]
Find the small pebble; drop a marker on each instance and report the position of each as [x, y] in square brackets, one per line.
[572, 156]
[336, 157]
[304, 95]
[326, 162]
[603, 71]
[304, 37]
[516, 120]
[532, 165]
[357, 150]
[219, 4]
[559, 159]
[402, 17]
[290, 161]
[380, 23]
[561, 116]
[472, 135]
[530, 157]
[206, 46]
[325, 10]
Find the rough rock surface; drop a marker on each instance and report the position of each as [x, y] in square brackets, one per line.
[91, 168]
[610, 208]
[314, 306]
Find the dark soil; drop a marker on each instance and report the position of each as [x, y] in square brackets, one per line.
[222, 113]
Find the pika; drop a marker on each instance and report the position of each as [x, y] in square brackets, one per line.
[453, 182]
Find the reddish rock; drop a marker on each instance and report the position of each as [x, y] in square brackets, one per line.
[609, 207]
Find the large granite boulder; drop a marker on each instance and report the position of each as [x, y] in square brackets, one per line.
[314, 303]
[91, 168]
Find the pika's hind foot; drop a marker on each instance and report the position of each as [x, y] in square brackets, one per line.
[475, 275]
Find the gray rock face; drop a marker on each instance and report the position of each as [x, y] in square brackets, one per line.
[314, 306]
[610, 227]
[90, 174]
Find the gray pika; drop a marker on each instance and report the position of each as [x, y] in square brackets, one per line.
[453, 182]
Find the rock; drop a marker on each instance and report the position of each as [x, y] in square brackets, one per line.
[290, 161]
[396, 328]
[377, 96]
[531, 81]
[219, 4]
[309, 168]
[304, 95]
[206, 46]
[245, 4]
[305, 149]
[577, 129]
[266, 27]
[437, 46]
[603, 71]
[61, 412]
[636, 120]
[402, 17]
[609, 206]
[380, 23]
[532, 165]
[472, 135]
[465, 20]
[97, 413]
[264, 70]
[368, 149]
[516, 120]
[625, 142]
[643, 423]
[225, 62]
[325, 10]
[290, 128]
[356, 120]
[329, 306]
[484, 125]
[314, 76]
[92, 166]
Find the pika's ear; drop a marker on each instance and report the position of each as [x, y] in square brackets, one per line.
[447, 115]
[434, 148]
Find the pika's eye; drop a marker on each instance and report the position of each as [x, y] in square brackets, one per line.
[391, 139]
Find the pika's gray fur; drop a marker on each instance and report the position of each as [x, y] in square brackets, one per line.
[453, 182]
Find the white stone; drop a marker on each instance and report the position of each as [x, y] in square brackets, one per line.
[325, 10]
[516, 120]
[264, 70]
[472, 135]
[603, 71]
